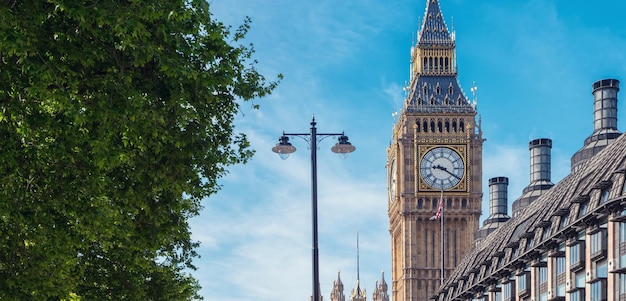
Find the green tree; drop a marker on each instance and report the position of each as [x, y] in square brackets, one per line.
[116, 119]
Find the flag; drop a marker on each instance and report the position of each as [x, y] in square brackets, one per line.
[439, 210]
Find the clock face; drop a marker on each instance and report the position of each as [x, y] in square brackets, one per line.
[442, 168]
[392, 181]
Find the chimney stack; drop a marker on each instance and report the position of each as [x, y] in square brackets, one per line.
[540, 170]
[498, 207]
[604, 121]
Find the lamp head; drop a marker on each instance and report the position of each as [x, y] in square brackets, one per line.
[343, 148]
[283, 148]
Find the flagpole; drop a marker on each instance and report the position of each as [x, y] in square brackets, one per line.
[442, 260]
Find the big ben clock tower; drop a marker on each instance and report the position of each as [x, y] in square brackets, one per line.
[436, 153]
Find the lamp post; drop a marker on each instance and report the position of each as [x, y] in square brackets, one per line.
[283, 148]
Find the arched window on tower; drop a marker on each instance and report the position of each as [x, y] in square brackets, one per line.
[419, 100]
[417, 126]
[432, 126]
[454, 125]
[446, 65]
[438, 89]
[461, 126]
[425, 89]
[439, 126]
[440, 64]
[463, 203]
[432, 100]
[447, 126]
[425, 126]
[446, 101]
[450, 89]
[425, 65]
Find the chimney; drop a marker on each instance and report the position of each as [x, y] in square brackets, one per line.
[498, 207]
[604, 121]
[605, 105]
[498, 196]
[540, 159]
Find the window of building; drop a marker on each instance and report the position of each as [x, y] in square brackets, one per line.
[579, 279]
[564, 221]
[506, 291]
[523, 284]
[604, 197]
[497, 296]
[560, 269]
[598, 291]
[577, 256]
[420, 203]
[622, 244]
[560, 265]
[577, 295]
[514, 252]
[560, 290]
[622, 286]
[546, 233]
[582, 209]
[598, 244]
[602, 271]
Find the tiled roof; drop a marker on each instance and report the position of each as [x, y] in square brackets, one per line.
[556, 202]
[436, 94]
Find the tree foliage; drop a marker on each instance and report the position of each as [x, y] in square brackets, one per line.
[116, 119]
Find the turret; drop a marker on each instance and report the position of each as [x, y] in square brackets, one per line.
[498, 207]
[604, 123]
[540, 160]
[380, 294]
[337, 293]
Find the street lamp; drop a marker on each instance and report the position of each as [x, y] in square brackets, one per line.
[283, 148]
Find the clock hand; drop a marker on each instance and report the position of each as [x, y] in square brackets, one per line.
[446, 170]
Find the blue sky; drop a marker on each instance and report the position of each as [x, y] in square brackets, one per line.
[346, 62]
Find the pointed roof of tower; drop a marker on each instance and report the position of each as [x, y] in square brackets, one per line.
[434, 87]
[434, 30]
